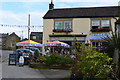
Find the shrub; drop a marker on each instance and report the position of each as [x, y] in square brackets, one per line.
[57, 59]
[41, 59]
[92, 64]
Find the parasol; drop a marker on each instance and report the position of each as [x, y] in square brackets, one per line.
[29, 43]
[56, 43]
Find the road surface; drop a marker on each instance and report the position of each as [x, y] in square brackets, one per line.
[12, 71]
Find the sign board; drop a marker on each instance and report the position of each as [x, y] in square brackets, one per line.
[12, 59]
[67, 38]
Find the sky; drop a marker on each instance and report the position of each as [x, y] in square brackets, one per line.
[14, 13]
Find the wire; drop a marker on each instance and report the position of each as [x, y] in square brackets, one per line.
[4, 25]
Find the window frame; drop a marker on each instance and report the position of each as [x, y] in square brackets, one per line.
[105, 26]
[63, 29]
[56, 27]
[96, 20]
[70, 25]
[100, 28]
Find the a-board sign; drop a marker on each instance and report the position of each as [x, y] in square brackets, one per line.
[12, 59]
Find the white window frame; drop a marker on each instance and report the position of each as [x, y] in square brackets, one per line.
[96, 23]
[105, 22]
[58, 26]
[67, 24]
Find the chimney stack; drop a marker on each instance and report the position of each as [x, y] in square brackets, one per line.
[51, 5]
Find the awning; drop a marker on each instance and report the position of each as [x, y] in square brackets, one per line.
[99, 36]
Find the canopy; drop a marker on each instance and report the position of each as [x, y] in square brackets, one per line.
[57, 43]
[29, 43]
[99, 36]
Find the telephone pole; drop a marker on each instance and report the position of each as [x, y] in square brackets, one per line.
[29, 26]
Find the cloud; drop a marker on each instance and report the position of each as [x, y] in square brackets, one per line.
[10, 18]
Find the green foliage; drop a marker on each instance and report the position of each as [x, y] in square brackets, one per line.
[92, 63]
[115, 41]
[36, 54]
[57, 59]
[41, 59]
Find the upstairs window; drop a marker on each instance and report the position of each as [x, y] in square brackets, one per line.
[63, 26]
[67, 24]
[58, 25]
[105, 23]
[95, 24]
[101, 25]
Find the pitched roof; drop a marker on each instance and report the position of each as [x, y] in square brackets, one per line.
[13, 34]
[85, 12]
[36, 33]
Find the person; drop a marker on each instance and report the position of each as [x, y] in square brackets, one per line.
[26, 57]
[19, 54]
[47, 51]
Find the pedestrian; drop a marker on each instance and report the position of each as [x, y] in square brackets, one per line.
[47, 51]
[19, 54]
[26, 57]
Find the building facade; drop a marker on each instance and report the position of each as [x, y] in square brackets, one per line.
[36, 36]
[3, 39]
[84, 25]
[11, 41]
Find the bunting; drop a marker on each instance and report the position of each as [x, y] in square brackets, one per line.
[4, 25]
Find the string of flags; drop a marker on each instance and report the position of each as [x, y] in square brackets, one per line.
[4, 25]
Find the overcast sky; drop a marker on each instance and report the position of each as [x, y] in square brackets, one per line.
[15, 12]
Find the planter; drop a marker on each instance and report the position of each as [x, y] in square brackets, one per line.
[42, 66]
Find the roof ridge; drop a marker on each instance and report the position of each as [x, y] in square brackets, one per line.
[86, 7]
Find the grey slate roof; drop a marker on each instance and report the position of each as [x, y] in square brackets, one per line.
[36, 33]
[85, 12]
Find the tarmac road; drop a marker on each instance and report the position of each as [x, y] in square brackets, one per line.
[12, 72]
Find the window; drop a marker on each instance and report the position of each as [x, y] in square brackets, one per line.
[13, 38]
[105, 23]
[58, 25]
[95, 23]
[95, 44]
[34, 37]
[67, 24]
[12, 44]
[102, 25]
[63, 26]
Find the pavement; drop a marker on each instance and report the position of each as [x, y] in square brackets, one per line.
[12, 72]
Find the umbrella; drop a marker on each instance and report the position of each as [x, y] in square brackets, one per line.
[29, 43]
[56, 43]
